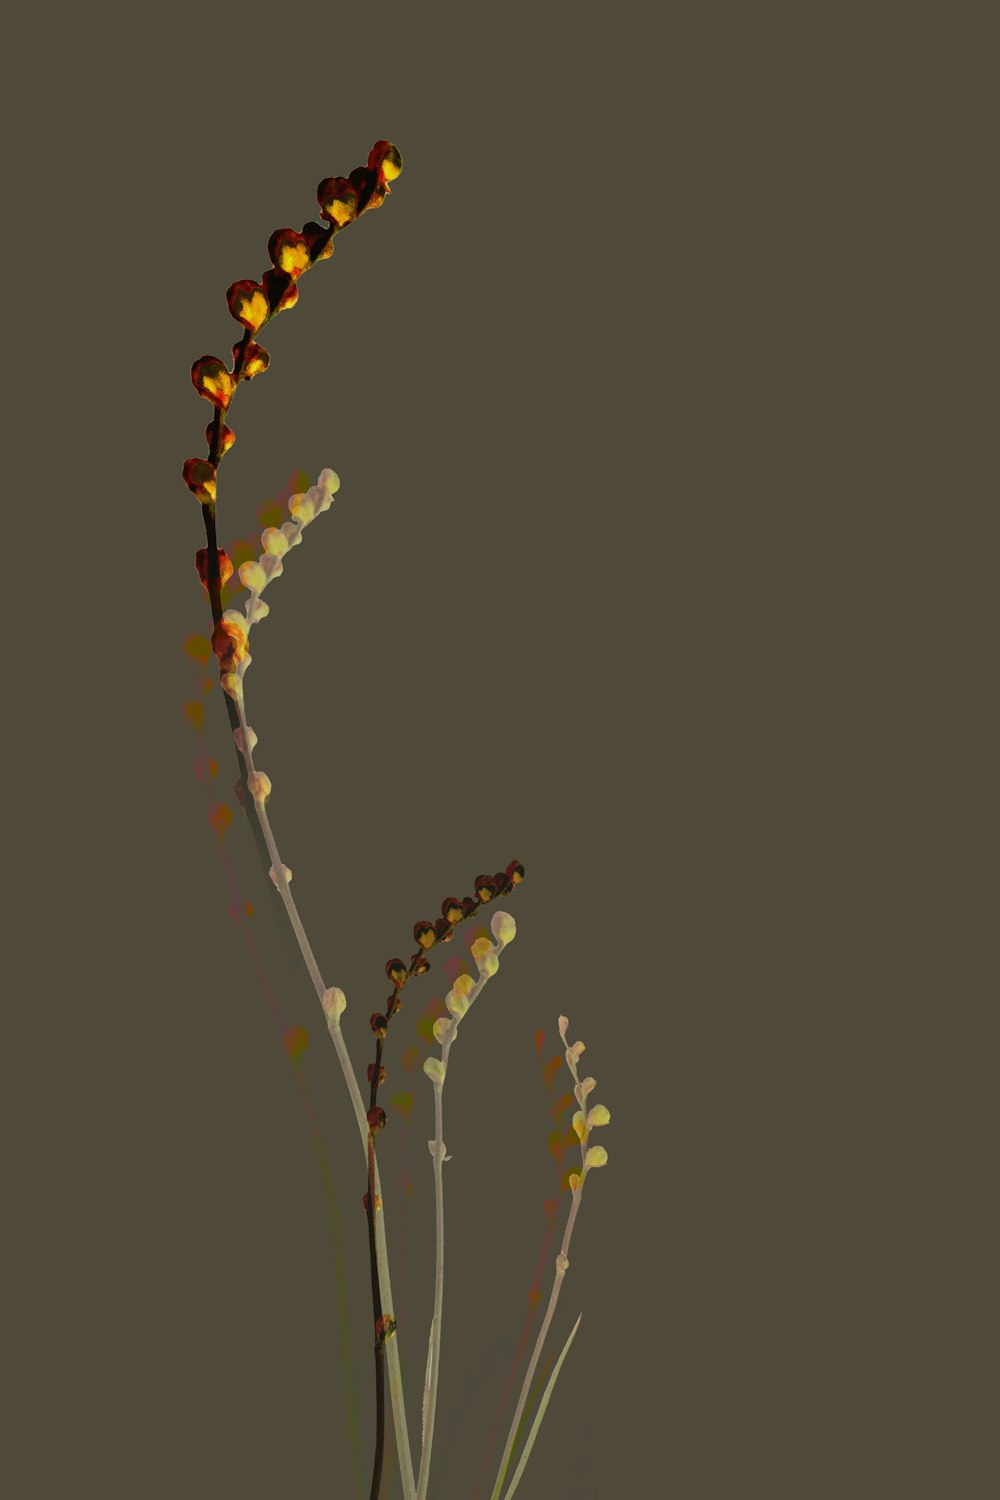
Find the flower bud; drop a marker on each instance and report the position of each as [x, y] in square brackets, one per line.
[443, 1028]
[378, 1023]
[435, 1069]
[599, 1115]
[238, 737]
[456, 1003]
[396, 971]
[562, 1263]
[580, 1125]
[329, 480]
[376, 1119]
[288, 875]
[334, 1003]
[574, 1181]
[424, 934]
[252, 576]
[503, 927]
[259, 786]
[452, 910]
[381, 1074]
[488, 965]
[563, 1026]
[274, 541]
[595, 1157]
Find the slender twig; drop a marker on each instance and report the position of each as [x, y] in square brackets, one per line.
[458, 1001]
[595, 1157]
[333, 1003]
[427, 935]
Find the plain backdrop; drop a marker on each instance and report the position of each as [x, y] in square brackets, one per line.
[657, 565]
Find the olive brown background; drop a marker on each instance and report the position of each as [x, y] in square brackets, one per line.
[656, 565]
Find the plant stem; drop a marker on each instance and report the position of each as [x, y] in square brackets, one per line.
[382, 1252]
[553, 1299]
[434, 1341]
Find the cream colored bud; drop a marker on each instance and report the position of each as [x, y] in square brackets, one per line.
[563, 1026]
[562, 1263]
[288, 874]
[271, 566]
[595, 1157]
[574, 1181]
[334, 1003]
[259, 786]
[257, 609]
[574, 1051]
[302, 508]
[586, 1087]
[503, 927]
[274, 541]
[488, 965]
[599, 1115]
[252, 576]
[463, 984]
[456, 1003]
[435, 1069]
[443, 1027]
[580, 1124]
[238, 737]
[329, 481]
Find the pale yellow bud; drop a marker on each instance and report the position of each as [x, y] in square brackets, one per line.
[252, 576]
[480, 947]
[580, 1124]
[599, 1115]
[504, 927]
[595, 1157]
[435, 1069]
[488, 965]
[562, 1263]
[288, 874]
[334, 1003]
[443, 1029]
[456, 1002]
[259, 786]
[274, 541]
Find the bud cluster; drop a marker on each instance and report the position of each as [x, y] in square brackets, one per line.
[230, 640]
[585, 1120]
[464, 991]
[254, 303]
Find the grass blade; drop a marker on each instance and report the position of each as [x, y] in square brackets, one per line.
[540, 1414]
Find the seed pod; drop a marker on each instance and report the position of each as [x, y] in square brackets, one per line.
[255, 360]
[385, 159]
[381, 1073]
[338, 200]
[420, 967]
[376, 1119]
[280, 289]
[396, 972]
[452, 909]
[227, 435]
[378, 1023]
[443, 930]
[515, 872]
